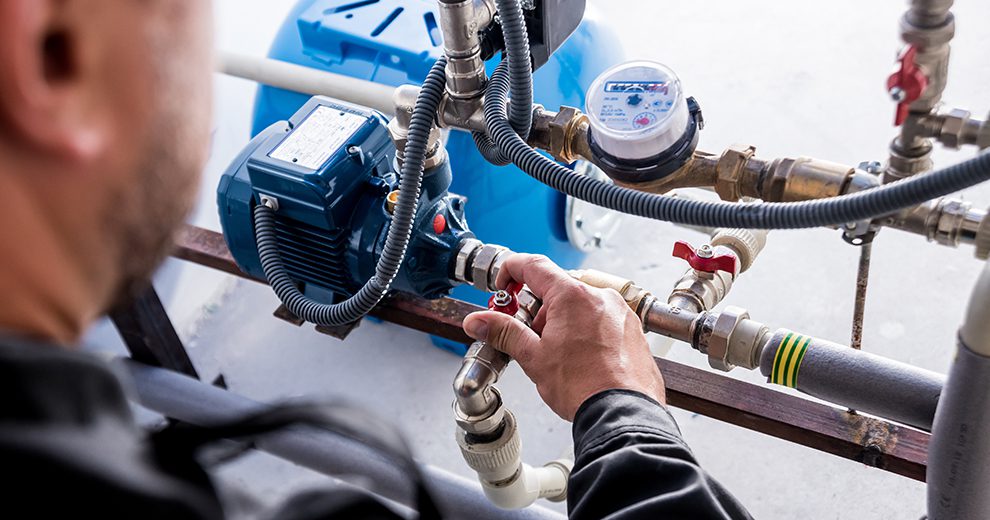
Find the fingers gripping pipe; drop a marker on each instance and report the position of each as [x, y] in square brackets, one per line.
[487, 432]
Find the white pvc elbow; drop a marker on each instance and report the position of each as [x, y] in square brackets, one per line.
[529, 485]
[507, 482]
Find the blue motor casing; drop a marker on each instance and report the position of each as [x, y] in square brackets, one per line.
[330, 168]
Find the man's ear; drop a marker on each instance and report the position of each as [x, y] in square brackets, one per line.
[44, 101]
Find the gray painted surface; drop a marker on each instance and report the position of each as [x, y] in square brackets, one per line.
[792, 78]
[958, 471]
[864, 382]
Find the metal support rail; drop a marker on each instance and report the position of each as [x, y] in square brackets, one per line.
[872, 441]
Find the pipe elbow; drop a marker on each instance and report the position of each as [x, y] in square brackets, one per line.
[466, 387]
[472, 388]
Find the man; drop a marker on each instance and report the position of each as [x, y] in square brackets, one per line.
[104, 127]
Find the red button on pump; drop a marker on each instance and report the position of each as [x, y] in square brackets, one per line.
[439, 224]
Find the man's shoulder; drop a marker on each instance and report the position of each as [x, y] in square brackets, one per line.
[66, 433]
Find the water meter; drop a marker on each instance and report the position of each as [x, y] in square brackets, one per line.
[643, 127]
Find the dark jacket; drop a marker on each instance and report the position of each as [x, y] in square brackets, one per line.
[69, 446]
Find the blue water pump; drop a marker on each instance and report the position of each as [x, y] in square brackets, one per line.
[395, 42]
[329, 170]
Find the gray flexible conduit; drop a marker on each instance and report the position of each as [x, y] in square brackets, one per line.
[488, 150]
[865, 205]
[520, 84]
[520, 66]
[399, 232]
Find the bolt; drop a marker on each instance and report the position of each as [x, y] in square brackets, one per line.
[873, 167]
[353, 150]
[705, 251]
[270, 202]
[897, 94]
[502, 299]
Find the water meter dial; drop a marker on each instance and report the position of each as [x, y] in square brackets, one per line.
[643, 127]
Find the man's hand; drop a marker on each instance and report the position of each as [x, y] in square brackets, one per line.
[584, 340]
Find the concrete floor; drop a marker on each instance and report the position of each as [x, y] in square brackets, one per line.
[788, 77]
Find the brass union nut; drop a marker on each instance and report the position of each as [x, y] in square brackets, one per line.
[562, 128]
[730, 167]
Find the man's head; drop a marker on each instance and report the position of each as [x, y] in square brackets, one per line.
[104, 127]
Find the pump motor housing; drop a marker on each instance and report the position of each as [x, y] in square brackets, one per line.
[330, 169]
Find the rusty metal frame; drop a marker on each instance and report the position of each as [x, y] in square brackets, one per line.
[149, 336]
[872, 441]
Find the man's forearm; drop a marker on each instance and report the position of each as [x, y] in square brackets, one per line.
[632, 463]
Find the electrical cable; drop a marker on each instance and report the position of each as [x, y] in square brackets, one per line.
[516, 40]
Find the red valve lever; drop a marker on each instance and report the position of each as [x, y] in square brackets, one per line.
[714, 264]
[907, 84]
[506, 301]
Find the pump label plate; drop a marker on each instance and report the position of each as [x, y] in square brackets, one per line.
[318, 137]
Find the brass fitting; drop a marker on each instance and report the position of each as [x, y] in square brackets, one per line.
[564, 134]
[461, 22]
[732, 168]
[699, 172]
[699, 291]
[740, 174]
[804, 178]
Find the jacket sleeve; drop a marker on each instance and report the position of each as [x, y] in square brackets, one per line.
[630, 462]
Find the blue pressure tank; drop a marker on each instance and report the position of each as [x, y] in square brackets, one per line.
[395, 42]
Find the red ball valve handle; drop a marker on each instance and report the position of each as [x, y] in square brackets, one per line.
[704, 259]
[506, 301]
[907, 83]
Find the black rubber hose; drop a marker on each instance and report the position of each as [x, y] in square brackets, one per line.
[399, 232]
[865, 205]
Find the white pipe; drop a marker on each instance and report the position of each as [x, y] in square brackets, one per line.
[309, 81]
[531, 484]
[507, 481]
